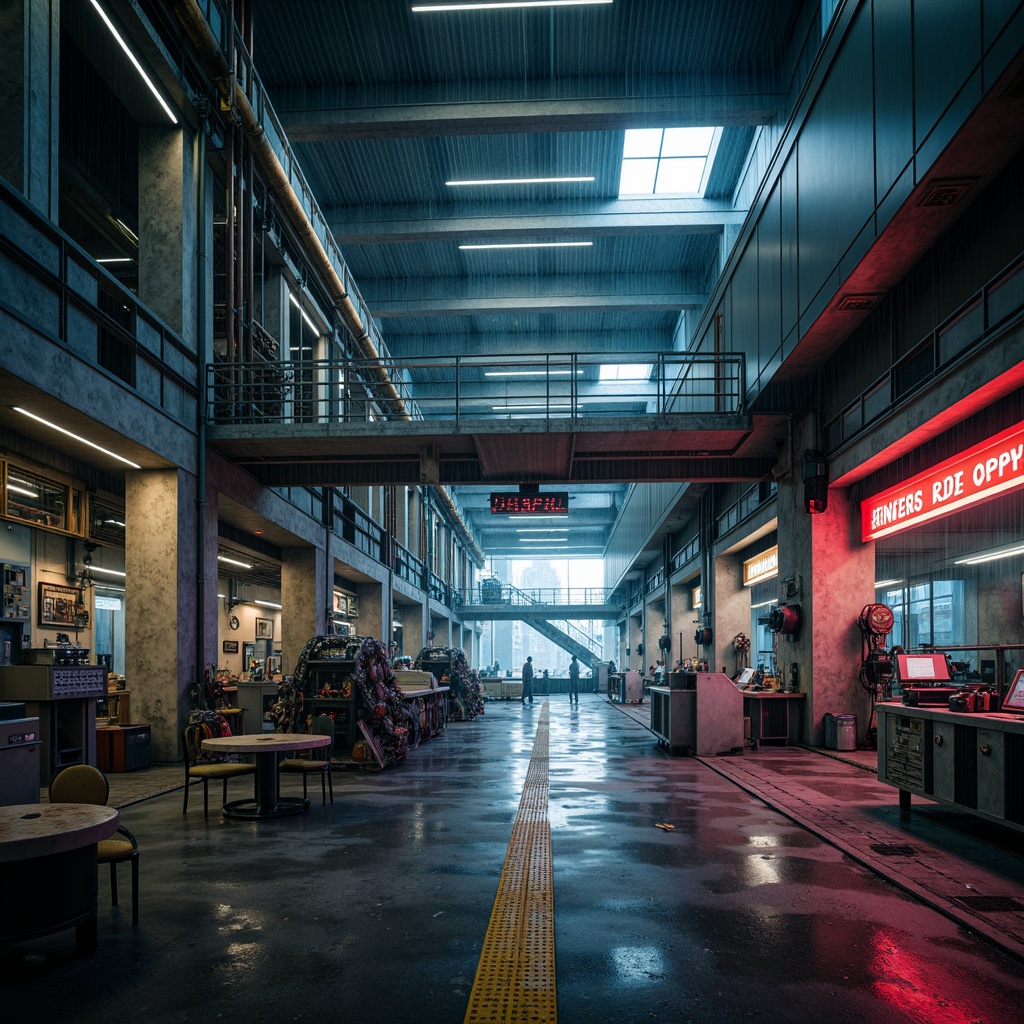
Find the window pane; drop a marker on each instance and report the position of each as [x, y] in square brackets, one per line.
[36, 500]
[637, 177]
[624, 371]
[681, 175]
[641, 142]
[687, 141]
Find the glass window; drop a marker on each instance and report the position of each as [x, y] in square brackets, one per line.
[670, 161]
[108, 635]
[927, 613]
[36, 500]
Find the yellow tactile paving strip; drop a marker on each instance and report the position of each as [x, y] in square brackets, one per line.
[515, 979]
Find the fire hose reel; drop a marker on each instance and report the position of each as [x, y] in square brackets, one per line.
[877, 620]
[785, 619]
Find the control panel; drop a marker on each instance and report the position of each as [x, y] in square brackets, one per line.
[905, 762]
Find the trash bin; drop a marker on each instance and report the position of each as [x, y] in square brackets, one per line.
[829, 721]
[846, 732]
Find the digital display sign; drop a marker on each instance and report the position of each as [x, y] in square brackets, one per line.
[515, 503]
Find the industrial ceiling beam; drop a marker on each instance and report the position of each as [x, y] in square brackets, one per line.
[499, 344]
[431, 296]
[324, 113]
[464, 222]
[454, 305]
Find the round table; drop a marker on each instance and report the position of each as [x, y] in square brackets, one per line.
[48, 880]
[266, 746]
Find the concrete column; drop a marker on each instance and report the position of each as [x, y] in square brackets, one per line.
[413, 628]
[160, 618]
[731, 614]
[29, 100]
[654, 619]
[636, 636]
[680, 628]
[415, 521]
[838, 573]
[360, 496]
[402, 516]
[168, 226]
[304, 600]
[371, 611]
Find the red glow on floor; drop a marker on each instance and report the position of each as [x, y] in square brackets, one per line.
[921, 990]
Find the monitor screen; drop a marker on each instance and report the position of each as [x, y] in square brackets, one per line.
[918, 669]
[1014, 699]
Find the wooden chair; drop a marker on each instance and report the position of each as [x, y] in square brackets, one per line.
[84, 784]
[197, 767]
[322, 726]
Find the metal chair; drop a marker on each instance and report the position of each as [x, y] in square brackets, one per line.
[322, 726]
[84, 784]
[196, 767]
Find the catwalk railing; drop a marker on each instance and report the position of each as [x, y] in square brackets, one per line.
[455, 389]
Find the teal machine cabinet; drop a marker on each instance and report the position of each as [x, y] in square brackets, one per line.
[973, 761]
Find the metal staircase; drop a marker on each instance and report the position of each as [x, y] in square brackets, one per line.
[547, 610]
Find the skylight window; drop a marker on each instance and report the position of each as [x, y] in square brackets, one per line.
[625, 371]
[667, 161]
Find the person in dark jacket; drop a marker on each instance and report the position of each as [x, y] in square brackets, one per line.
[527, 680]
[574, 681]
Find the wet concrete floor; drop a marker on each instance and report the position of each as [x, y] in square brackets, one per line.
[374, 909]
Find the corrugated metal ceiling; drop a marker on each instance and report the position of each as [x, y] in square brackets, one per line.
[383, 106]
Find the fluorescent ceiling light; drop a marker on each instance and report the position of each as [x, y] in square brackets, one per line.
[543, 540]
[498, 5]
[267, 604]
[992, 556]
[295, 302]
[124, 227]
[531, 373]
[132, 58]
[67, 433]
[533, 519]
[22, 490]
[543, 529]
[528, 245]
[232, 561]
[516, 181]
[110, 572]
[886, 583]
[116, 259]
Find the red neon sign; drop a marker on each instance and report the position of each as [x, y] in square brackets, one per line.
[979, 474]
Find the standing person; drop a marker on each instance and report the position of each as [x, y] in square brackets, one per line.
[574, 681]
[527, 680]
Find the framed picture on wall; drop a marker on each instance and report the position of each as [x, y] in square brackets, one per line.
[57, 604]
[230, 646]
[264, 629]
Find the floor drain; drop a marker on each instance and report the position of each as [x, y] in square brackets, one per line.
[989, 904]
[889, 850]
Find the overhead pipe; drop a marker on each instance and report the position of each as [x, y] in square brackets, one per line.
[209, 51]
